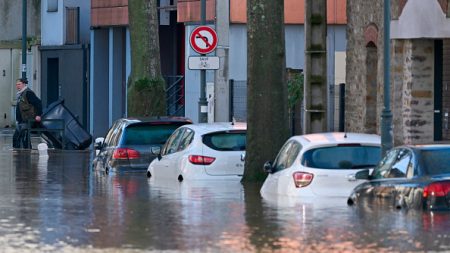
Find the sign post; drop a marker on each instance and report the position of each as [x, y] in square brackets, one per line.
[203, 40]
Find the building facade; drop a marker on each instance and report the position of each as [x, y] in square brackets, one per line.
[419, 43]
[110, 53]
[11, 53]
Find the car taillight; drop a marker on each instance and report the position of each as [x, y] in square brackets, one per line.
[125, 153]
[302, 179]
[201, 160]
[436, 189]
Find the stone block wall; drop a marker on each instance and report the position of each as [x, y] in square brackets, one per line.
[413, 91]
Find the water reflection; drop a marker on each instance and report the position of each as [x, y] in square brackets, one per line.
[59, 205]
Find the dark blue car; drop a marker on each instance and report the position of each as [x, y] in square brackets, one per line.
[413, 176]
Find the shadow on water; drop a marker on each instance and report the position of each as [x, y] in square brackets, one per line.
[60, 205]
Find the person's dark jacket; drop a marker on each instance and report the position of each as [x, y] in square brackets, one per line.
[32, 99]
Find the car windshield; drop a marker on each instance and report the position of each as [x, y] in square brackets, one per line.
[342, 157]
[436, 161]
[141, 134]
[226, 141]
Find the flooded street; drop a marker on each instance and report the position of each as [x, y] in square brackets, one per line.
[59, 205]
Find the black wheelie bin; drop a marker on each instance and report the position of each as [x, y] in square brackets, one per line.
[65, 132]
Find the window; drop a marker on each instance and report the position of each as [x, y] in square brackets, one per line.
[172, 143]
[147, 134]
[352, 156]
[401, 165]
[187, 138]
[383, 167]
[435, 161]
[286, 156]
[226, 141]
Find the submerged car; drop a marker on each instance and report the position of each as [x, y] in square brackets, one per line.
[127, 145]
[202, 151]
[411, 177]
[320, 165]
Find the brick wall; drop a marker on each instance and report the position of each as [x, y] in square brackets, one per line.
[109, 13]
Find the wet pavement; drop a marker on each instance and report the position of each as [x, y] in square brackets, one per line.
[57, 204]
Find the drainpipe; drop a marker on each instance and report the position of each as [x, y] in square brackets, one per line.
[386, 115]
[24, 39]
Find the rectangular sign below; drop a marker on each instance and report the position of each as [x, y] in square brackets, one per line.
[203, 62]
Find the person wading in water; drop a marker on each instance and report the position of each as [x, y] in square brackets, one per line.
[28, 109]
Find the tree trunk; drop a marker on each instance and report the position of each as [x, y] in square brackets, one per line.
[267, 112]
[146, 86]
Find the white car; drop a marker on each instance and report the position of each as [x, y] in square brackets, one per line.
[202, 151]
[320, 165]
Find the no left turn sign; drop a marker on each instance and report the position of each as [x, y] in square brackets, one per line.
[203, 39]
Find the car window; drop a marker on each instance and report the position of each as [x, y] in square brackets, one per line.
[226, 141]
[401, 165]
[286, 156]
[435, 161]
[110, 133]
[187, 138]
[115, 137]
[352, 156]
[147, 134]
[172, 143]
[382, 169]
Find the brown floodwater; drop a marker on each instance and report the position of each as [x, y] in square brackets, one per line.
[58, 204]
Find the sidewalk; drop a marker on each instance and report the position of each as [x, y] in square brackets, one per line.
[6, 135]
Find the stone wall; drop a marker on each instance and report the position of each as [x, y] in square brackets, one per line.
[413, 91]
[360, 15]
[412, 76]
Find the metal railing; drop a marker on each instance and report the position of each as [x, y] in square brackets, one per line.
[175, 95]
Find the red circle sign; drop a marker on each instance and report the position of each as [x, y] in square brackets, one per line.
[203, 39]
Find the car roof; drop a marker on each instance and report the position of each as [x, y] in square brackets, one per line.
[330, 138]
[204, 128]
[154, 120]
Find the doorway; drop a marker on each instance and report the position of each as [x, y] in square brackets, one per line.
[52, 80]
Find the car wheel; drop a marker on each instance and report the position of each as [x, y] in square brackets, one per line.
[107, 170]
[180, 178]
[149, 175]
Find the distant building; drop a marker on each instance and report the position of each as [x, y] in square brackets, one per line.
[420, 73]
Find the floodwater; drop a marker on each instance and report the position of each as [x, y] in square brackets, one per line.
[59, 205]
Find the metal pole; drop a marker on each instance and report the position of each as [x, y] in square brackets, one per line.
[386, 115]
[24, 39]
[203, 103]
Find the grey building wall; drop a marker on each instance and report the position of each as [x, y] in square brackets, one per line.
[11, 19]
[71, 85]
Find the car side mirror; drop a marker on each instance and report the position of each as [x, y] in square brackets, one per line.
[268, 167]
[363, 174]
[156, 151]
[99, 142]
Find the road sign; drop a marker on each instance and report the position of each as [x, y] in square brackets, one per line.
[203, 39]
[203, 62]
